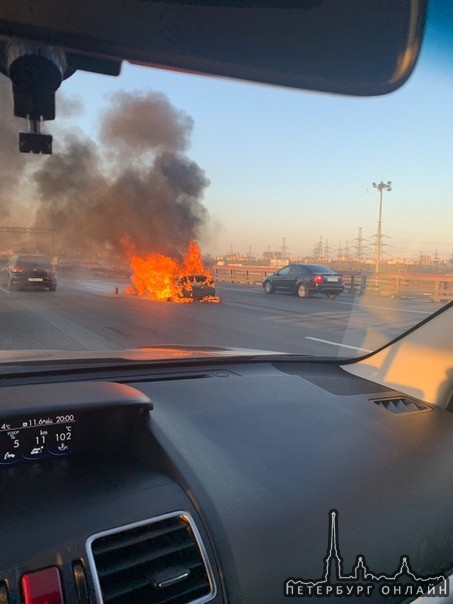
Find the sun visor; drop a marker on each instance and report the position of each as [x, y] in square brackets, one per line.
[345, 46]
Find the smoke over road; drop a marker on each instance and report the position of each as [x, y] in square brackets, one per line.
[12, 163]
[136, 183]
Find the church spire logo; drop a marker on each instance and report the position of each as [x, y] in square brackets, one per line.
[362, 582]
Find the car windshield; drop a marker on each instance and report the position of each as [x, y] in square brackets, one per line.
[162, 183]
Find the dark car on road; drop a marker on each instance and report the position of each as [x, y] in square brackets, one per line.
[303, 280]
[29, 271]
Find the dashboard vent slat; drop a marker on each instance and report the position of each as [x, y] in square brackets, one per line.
[104, 546]
[401, 405]
[160, 561]
[122, 562]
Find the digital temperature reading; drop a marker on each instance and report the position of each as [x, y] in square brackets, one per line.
[32, 438]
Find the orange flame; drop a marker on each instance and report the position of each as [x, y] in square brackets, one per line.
[162, 278]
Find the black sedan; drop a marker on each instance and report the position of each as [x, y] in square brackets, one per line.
[303, 280]
[29, 271]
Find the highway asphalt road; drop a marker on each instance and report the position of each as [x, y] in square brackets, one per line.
[86, 314]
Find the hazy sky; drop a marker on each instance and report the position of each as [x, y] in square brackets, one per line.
[300, 165]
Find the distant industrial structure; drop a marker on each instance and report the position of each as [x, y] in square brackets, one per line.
[358, 254]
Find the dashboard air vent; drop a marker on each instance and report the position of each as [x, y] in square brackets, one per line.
[159, 561]
[401, 404]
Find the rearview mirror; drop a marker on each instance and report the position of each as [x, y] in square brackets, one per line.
[345, 46]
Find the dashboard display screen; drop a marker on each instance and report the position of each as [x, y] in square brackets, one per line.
[35, 437]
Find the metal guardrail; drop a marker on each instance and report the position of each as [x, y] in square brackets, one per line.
[437, 287]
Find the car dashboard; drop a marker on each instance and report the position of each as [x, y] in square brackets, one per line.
[214, 482]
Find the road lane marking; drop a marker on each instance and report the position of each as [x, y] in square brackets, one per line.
[337, 344]
[5, 290]
[359, 305]
[298, 320]
[420, 312]
[237, 289]
[96, 289]
[283, 319]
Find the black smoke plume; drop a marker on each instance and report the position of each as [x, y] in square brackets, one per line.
[12, 163]
[136, 183]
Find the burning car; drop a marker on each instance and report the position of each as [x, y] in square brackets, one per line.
[163, 278]
[197, 287]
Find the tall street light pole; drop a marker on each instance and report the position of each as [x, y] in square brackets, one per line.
[381, 186]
